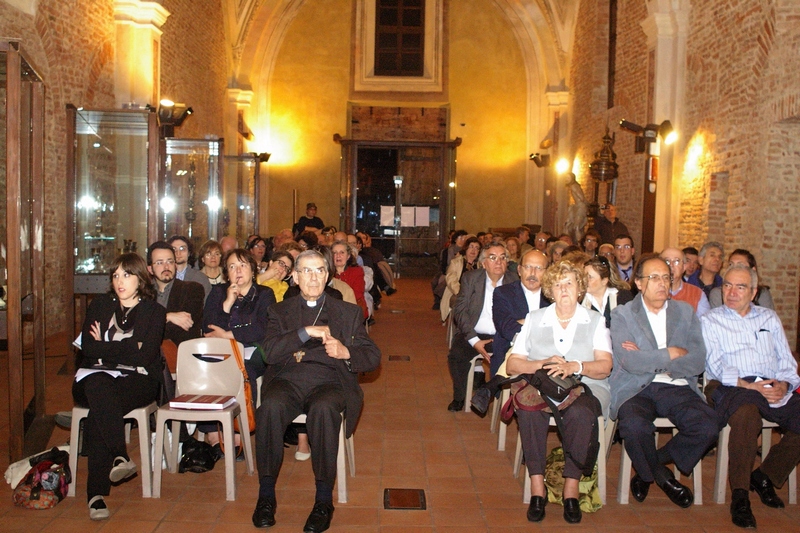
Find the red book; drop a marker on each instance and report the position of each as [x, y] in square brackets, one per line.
[201, 401]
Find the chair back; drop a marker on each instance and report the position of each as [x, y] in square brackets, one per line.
[196, 376]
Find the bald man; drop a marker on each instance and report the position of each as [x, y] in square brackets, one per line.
[684, 292]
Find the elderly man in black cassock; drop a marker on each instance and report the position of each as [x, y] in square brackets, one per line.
[314, 349]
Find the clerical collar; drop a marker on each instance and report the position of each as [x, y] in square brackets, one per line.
[313, 303]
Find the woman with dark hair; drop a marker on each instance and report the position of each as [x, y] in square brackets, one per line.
[258, 249]
[465, 260]
[237, 310]
[604, 288]
[120, 371]
[210, 257]
[307, 240]
[763, 297]
[565, 339]
[280, 267]
[347, 270]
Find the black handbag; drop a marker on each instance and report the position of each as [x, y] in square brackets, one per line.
[554, 387]
[197, 457]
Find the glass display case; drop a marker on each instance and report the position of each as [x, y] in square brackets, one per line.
[113, 165]
[190, 201]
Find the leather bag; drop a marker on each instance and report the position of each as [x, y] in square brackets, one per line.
[248, 393]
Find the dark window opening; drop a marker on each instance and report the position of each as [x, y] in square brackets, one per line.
[400, 38]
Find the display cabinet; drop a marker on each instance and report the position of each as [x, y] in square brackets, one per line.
[190, 197]
[113, 186]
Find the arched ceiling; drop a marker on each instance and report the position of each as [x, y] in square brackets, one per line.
[544, 29]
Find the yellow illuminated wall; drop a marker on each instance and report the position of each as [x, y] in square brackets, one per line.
[309, 93]
[488, 96]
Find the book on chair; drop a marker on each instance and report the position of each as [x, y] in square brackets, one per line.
[201, 401]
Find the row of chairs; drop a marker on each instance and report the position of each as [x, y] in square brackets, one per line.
[197, 376]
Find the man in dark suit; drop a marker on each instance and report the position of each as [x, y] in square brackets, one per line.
[511, 303]
[182, 299]
[472, 313]
[314, 348]
[658, 354]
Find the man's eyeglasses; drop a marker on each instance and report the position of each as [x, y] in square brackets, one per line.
[495, 258]
[179, 248]
[655, 278]
[306, 271]
[622, 246]
[674, 262]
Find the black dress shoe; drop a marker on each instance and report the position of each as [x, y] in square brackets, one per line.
[678, 493]
[264, 515]
[572, 510]
[480, 401]
[456, 406]
[536, 508]
[320, 518]
[741, 515]
[760, 483]
[639, 488]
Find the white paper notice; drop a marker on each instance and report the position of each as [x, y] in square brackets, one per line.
[407, 217]
[387, 215]
[423, 216]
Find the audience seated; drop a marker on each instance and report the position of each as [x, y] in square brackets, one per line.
[260, 251]
[472, 315]
[658, 354]
[690, 252]
[555, 250]
[465, 261]
[763, 297]
[591, 242]
[604, 290]
[348, 271]
[184, 262]
[209, 261]
[624, 253]
[753, 375]
[566, 339]
[679, 290]
[707, 276]
[280, 267]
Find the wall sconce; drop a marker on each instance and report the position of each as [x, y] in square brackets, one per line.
[541, 160]
[170, 116]
[650, 133]
[263, 157]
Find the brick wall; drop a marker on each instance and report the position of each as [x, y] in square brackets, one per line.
[193, 65]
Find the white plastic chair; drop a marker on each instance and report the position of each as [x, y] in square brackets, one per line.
[142, 417]
[471, 381]
[345, 445]
[623, 488]
[601, 461]
[501, 426]
[721, 478]
[196, 376]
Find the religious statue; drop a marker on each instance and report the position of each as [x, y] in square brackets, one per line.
[577, 214]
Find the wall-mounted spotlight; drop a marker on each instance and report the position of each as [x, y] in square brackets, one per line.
[541, 160]
[649, 133]
[171, 115]
[263, 157]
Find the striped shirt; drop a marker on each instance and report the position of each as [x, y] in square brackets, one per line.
[751, 345]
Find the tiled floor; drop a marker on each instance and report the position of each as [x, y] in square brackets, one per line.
[406, 439]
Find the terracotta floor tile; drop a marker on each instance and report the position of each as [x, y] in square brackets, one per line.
[129, 526]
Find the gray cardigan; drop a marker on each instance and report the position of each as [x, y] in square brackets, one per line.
[634, 370]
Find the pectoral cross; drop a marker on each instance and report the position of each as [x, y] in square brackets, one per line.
[299, 355]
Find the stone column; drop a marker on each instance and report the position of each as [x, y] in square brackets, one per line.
[666, 28]
[137, 69]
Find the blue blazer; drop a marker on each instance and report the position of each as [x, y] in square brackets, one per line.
[508, 306]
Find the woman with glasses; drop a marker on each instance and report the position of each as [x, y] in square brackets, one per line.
[566, 339]
[121, 334]
[209, 261]
[348, 271]
[280, 267]
[237, 310]
[604, 289]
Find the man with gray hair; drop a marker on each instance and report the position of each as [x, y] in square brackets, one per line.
[753, 375]
[472, 313]
[707, 276]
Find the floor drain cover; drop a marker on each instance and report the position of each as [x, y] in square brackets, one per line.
[408, 499]
[399, 358]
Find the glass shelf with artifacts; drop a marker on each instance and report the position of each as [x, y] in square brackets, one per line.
[114, 164]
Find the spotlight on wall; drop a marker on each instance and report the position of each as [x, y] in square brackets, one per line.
[541, 160]
[562, 166]
[631, 127]
[667, 133]
[171, 116]
[649, 133]
[263, 157]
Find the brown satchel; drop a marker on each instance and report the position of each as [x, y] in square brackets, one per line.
[248, 394]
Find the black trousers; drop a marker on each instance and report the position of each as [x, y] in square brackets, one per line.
[579, 418]
[458, 360]
[108, 400]
[696, 422]
[281, 402]
[743, 410]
